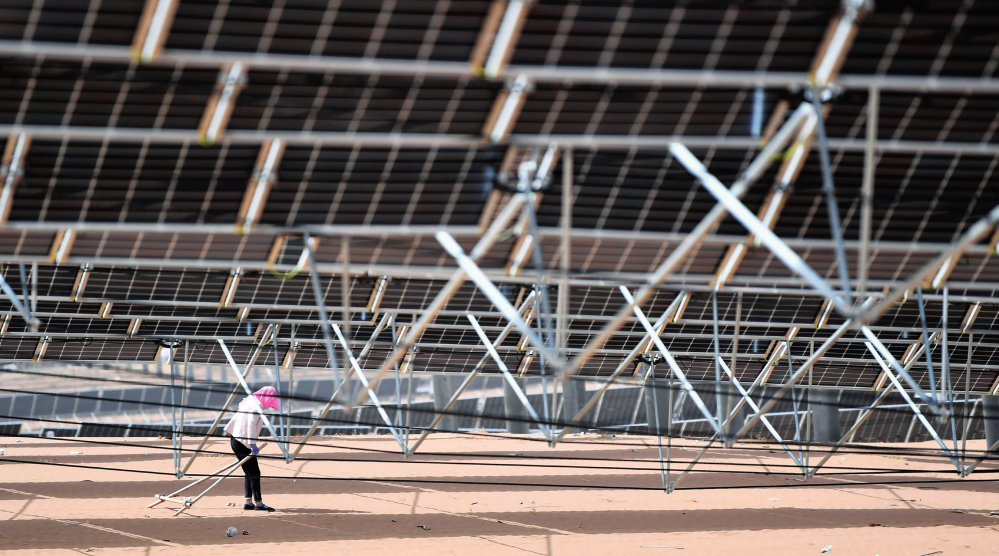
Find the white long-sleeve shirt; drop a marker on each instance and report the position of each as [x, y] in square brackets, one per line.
[246, 423]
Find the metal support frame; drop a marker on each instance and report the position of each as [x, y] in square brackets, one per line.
[256, 403]
[869, 334]
[359, 373]
[670, 361]
[766, 423]
[890, 359]
[545, 428]
[524, 306]
[869, 410]
[324, 321]
[541, 73]
[174, 436]
[339, 388]
[759, 230]
[692, 240]
[225, 407]
[829, 189]
[728, 201]
[625, 363]
[444, 295]
[759, 415]
[490, 290]
[867, 192]
[794, 378]
[974, 233]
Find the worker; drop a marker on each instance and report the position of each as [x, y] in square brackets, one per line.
[243, 430]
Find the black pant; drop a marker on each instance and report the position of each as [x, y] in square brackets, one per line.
[251, 471]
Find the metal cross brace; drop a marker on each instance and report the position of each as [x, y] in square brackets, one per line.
[869, 410]
[486, 242]
[671, 362]
[471, 376]
[793, 379]
[760, 379]
[756, 409]
[667, 314]
[371, 393]
[905, 395]
[492, 292]
[762, 161]
[228, 402]
[869, 334]
[956, 249]
[509, 377]
[256, 403]
[336, 393]
[737, 209]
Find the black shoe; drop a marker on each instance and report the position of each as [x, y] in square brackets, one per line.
[264, 508]
[248, 506]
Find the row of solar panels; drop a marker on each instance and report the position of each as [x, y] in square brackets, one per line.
[621, 409]
[152, 399]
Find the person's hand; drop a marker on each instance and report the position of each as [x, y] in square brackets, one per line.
[254, 449]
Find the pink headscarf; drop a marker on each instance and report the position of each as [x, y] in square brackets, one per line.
[267, 397]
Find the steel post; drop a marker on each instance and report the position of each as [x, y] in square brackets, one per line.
[830, 190]
[867, 192]
[324, 321]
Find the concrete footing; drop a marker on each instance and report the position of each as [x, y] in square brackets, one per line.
[514, 409]
[573, 399]
[444, 388]
[990, 411]
[825, 415]
[657, 407]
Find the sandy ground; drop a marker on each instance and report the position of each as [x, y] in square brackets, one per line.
[494, 495]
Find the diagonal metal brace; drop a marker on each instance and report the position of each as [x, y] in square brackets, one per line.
[876, 342]
[905, 395]
[431, 311]
[625, 363]
[737, 209]
[756, 409]
[869, 410]
[672, 362]
[31, 320]
[492, 292]
[336, 394]
[506, 374]
[371, 393]
[324, 321]
[471, 376]
[256, 403]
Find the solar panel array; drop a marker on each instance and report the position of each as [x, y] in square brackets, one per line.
[386, 155]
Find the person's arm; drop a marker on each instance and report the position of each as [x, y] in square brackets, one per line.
[253, 425]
